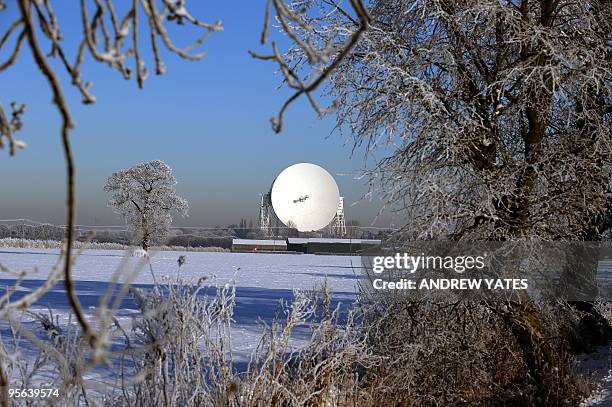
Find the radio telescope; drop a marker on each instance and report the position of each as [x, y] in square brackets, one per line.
[303, 195]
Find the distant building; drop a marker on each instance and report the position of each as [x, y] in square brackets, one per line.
[307, 245]
[253, 245]
[297, 244]
[341, 246]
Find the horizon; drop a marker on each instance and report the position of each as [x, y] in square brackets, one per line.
[209, 120]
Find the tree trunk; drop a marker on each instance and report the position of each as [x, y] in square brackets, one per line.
[541, 360]
[146, 235]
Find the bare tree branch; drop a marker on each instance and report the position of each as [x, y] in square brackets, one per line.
[104, 37]
[294, 23]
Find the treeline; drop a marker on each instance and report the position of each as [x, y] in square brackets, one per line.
[191, 240]
[187, 237]
[12, 242]
[57, 233]
[220, 237]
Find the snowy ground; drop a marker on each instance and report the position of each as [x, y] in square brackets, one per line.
[598, 367]
[261, 280]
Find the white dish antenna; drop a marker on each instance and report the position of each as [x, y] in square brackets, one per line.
[305, 196]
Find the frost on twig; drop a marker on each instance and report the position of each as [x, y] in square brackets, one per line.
[109, 35]
[493, 117]
[8, 127]
[310, 50]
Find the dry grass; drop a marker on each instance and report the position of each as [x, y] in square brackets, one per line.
[178, 352]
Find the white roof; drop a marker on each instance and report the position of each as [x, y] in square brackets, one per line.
[346, 241]
[297, 240]
[261, 242]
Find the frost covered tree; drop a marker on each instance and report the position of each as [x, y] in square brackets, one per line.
[133, 39]
[121, 35]
[146, 198]
[494, 117]
[498, 113]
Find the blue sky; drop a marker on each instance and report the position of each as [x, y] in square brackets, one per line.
[209, 120]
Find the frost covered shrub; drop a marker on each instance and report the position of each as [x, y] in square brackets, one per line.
[182, 351]
[177, 351]
[462, 353]
[56, 244]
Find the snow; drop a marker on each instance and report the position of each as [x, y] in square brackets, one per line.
[598, 367]
[264, 271]
[297, 240]
[261, 280]
[259, 242]
[354, 241]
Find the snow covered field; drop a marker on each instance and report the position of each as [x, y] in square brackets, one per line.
[261, 280]
[597, 367]
[254, 270]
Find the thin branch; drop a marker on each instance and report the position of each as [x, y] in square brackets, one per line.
[67, 124]
[315, 57]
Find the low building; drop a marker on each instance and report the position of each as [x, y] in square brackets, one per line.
[341, 246]
[307, 245]
[297, 244]
[254, 245]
